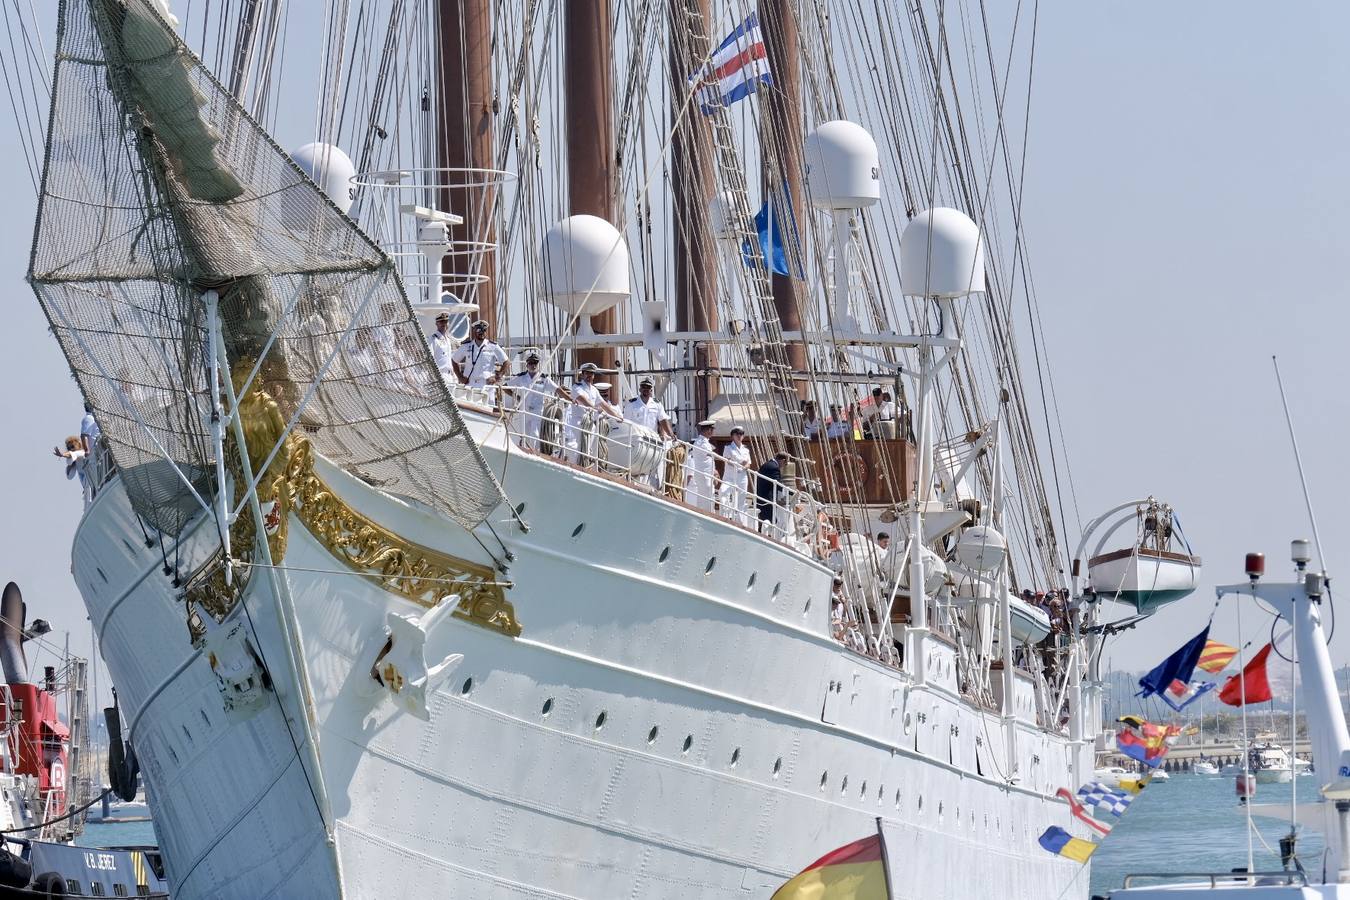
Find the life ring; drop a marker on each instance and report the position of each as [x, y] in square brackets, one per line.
[848, 473]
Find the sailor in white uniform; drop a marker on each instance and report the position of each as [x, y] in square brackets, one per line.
[647, 411]
[700, 469]
[587, 402]
[443, 347]
[480, 361]
[530, 389]
[734, 496]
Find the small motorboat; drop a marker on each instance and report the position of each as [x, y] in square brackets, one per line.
[1153, 572]
[1159, 774]
[1204, 767]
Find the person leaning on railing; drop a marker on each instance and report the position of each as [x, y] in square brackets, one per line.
[76, 459]
[586, 400]
[769, 493]
[530, 389]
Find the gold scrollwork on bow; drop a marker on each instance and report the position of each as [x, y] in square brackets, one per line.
[290, 484]
[419, 573]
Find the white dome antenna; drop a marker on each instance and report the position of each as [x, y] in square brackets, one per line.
[586, 267]
[843, 168]
[843, 175]
[331, 169]
[941, 255]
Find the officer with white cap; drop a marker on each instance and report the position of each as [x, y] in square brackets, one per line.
[443, 347]
[700, 469]
[734, 493]
[530, 389]
[479, 360]
[586, 401]
[647, 411]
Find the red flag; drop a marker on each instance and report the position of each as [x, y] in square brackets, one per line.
[1251, 684]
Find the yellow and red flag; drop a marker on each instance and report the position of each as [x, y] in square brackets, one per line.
[1215, 656]
[855, 870]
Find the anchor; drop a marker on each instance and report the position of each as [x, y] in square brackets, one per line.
[399, 665]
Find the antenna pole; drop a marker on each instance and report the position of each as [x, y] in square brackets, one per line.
[1298, 460]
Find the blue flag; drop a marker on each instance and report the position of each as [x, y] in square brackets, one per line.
[1177, 667]
[771, 248]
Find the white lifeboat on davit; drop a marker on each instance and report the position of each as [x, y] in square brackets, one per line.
[1159, 568]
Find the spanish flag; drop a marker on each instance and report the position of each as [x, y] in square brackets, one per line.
[854, 871]
[1216, 656]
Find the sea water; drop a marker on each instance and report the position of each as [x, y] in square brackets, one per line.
[1194, 823]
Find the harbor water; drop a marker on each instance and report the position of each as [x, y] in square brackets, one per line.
[1193, 823]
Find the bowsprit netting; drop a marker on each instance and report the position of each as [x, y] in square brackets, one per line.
[157, 188]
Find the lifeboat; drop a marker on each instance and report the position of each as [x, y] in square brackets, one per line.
[1159, 569]
[1029, 624]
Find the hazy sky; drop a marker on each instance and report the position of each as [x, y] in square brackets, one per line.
[1185, 194]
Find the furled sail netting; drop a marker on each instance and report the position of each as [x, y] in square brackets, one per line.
[159, 187]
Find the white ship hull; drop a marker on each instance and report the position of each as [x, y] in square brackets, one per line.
[660, 728]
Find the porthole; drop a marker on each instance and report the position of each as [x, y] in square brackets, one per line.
[777, 588]
[651, 735]
[600, 720]
[204, 718]
[735, 757]
[897, 798]
[777, 766]
[824, 778]
[749, 585]
[712, 561]
[807, 608]
[466, 687]
[921, 803]
[843, 786]
[862, 791]
[576, 532]
[688, 742]
[520, 508]
[881, 791]
[665, 555]
[548, 707]
[101, 575]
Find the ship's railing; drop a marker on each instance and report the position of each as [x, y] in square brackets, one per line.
[1278, 877]
[645, 460]
[99, 469]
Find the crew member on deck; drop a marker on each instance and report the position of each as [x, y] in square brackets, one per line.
[885, 426]
[586, 401]
[769, 494]
[480, 361]
[837, 426]
[647, 411]
[531, 389]
[443, 347]
[734, 496]
[700, 469]
[810, 421]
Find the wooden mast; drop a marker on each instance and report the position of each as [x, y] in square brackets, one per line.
[783, 168]
[464, 135]
[588, 52]
[692, 183]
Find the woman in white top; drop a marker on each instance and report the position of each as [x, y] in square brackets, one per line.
[734, 494]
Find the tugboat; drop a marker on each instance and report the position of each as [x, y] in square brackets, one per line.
[40, 811]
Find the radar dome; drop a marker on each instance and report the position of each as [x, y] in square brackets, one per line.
[941, 255]
[843, 169]
[331, 169]
[586, 264]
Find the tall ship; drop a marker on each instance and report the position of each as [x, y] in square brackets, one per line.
[731, 531]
